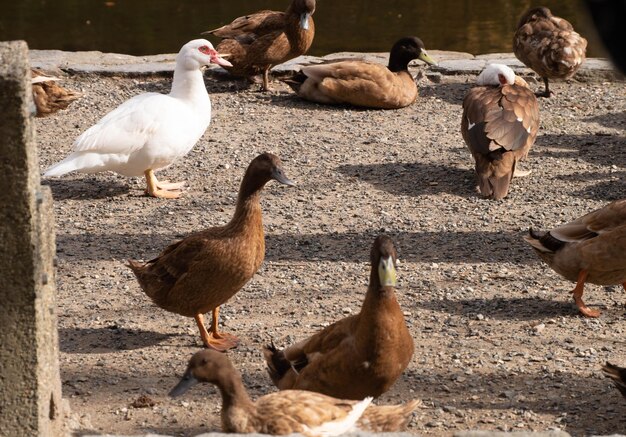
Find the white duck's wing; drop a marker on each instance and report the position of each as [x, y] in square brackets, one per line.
[128, 127]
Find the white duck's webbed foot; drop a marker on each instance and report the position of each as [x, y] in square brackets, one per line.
[171, 186]
[164, 189]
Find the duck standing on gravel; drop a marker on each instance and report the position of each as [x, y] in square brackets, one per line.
[358, 356]
[150, 131]
[288, 411]
[549, 46]
[364, 84]
[256, 42]
[499, 125]
[591, 248]
[201, 272]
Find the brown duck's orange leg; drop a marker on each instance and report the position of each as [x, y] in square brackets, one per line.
[213, 339]
[266, 79]
[578, 296]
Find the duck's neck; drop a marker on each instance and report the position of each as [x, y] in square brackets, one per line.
[248, 210]
[238, 410]
[379, 300]
[189, 85]
[397, 64]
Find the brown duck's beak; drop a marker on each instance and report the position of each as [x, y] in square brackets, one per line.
[187, 381]
[280, 176]
[387, 272]
[424, 57]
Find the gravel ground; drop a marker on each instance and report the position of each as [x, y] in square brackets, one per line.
[499, 342]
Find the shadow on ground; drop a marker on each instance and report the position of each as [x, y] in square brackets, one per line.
[108, 339]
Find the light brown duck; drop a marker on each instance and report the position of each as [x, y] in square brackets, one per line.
[591, 249]
[358, 356]
[50, 97]
[499, 125]
[364, 84]
[548, 45]
[288, 411]
[259, 41]
[203, 271]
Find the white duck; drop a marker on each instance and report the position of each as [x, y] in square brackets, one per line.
[151, 130]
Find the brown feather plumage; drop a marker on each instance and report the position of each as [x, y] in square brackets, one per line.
[284, 412]
[358, 356]
[256, 42]
[201, 272]
[617, 375]
[548, 45]
[499, 126]
[50, 97]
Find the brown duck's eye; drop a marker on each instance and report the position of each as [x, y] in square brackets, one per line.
[205, 49]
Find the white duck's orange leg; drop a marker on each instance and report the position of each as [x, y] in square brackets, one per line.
[162, 189]
[578, 296]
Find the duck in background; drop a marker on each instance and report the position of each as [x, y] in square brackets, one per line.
[259, 41]
[617, 375]
[288, 411]
[201, 272]
[591, 249]
[150, 131]
[365, 84]
[499, 125]
[358, 356]
[548, 45]
[48, 96]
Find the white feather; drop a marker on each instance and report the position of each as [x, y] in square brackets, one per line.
[337, 427]
[489, 76]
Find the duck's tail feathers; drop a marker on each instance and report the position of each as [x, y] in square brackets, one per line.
[340, 426]
[617, 375]
[388, 418]
[277, 364]
[86, 162]
[295, 80]
[543, 241]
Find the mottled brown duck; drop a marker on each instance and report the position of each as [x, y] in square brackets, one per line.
[364, 84]
[288, 411]
[591, 249]
[617, 375]
[548, 45]
[259, 41]
[50, 97]
[201, 272]
[358, 356]
[499, 125]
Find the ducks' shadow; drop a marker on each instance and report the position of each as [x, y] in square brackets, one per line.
[415, 179]
[108, 339]
[448, 92]
[527, 308]
[293, 101]
[607, 150]
[85, 188]
[616, 120]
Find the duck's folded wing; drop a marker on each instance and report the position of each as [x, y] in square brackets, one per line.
[600, 221]
[252, 25]
[323, 342]
[128, 127]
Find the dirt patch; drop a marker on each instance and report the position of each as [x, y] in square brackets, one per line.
[499, 343]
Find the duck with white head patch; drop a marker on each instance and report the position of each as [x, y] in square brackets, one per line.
[499, 125]
[151, 130]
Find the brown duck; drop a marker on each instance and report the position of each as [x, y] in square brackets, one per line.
[361, 355]
[258, 41]
[617, 375]
[591, 248]
[549, 46]
[48, 96]
[361, 83]
[287, 411]
[499, 125]
[201, 272]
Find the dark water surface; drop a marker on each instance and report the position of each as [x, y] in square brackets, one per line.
[162, 26]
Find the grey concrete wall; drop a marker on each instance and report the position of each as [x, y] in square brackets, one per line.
[30, 385]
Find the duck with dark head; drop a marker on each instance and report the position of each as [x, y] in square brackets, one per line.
[361, 83]
[257, 42]
[358, 356]
[204, 270]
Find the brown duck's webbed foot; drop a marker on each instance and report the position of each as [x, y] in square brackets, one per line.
[578, 296]
[164, 189]
[546, 91]
[213, 339]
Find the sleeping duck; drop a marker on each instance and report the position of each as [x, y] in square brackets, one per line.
[288, 411]
[499, 125]
[258, 41]
[48, 96]
[617, 375]
[591, 248]
[549, 46]
[358, 356]
[151, 130]
[361, 83]
[203, 271]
